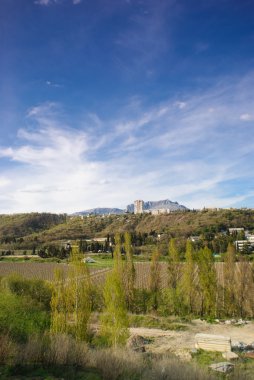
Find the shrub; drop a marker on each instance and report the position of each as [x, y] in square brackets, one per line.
[38, 290]
[7, 349]
[115, 364]
[65, 350]
[21, 317]
[169, 368]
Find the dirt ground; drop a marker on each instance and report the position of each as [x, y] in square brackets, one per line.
[181, 342]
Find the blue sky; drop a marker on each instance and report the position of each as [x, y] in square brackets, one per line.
[107, 101]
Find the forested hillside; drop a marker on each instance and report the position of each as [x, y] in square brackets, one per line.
[26, 230]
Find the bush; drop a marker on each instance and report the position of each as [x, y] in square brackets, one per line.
[65, 350]
[7, 349]
[169, 368]
[37, 290]
[21, 317]
[116, 364]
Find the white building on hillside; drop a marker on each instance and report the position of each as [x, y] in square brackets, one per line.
[138, 206]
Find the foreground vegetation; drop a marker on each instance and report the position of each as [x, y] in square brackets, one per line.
[62, 356]
[49, 326]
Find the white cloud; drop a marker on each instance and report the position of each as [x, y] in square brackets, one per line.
[194, 156]
[180, 105]
[45, 2]
[49, 2]
[247, 117]
[52, 84]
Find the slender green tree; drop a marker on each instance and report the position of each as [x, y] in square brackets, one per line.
[58, 304]
[114, 319]
[244, 287]
[71, 299]
[174, 265]
[207, 282]
[155, 279]
[174, 277]
[229, 281]
[129, 272]
[117, 255]
[78, 294]
[189, 278]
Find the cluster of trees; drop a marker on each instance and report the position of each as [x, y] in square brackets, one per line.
[196, 287]
[95, 246]
[73, 297]
[53, 250]
[202, 288]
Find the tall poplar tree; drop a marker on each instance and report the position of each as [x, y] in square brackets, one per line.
[189, 278]
[114, 319]
[174, 276]
[78, 291]
[244, 287]
[174, 265]
[229, 281]
[155, 279]
[71, 299]
[207, 282]
[117, 255]
[129, 271]
[58, 304]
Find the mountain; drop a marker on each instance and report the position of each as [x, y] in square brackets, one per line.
[100, 211]
[149, 205]
[163, 204]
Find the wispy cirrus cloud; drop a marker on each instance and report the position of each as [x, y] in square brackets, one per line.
[45, 2]
[189, 149]
[53, 84]
[50, 2]
[247, 117]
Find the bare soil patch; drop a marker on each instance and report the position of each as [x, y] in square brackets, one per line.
[183, 341]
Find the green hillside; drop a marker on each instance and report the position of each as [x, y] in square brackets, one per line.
[26, 230]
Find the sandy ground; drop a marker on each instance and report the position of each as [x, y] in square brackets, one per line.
[183, 341]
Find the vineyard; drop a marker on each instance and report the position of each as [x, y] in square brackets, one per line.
[45, 271]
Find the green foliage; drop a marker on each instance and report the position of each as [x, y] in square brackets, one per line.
[188, 281]
[141, 301]
[205, 358]
[31, 231]
[173, 294]
[21, 317]
[155, 280]
[174, 266]
[229, 299]
[129, 272]
[151, 321]
[114, 320]
[37, 290]
[59, 309]
[207, 282]
[71, 300]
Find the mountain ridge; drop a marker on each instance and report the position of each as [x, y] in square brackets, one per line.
[148, 205]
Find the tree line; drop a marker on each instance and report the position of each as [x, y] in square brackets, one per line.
[193, 289]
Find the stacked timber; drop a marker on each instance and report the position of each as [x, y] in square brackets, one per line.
[211, 342]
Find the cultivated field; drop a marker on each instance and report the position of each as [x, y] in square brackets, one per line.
[45, 271]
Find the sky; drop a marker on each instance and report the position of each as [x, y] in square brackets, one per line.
[106, 101]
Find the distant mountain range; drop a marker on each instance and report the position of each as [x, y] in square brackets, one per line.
[149, 205]
[164, 204]
[100, 211]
